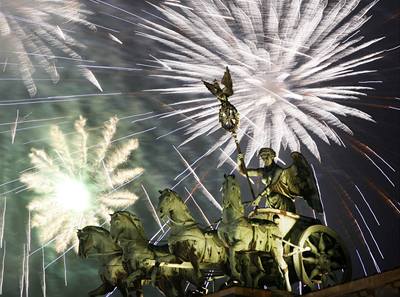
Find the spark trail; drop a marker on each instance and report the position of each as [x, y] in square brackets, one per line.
[209, 196]
[368, 248]
[3, 221]
[362, 263]
[153, 210]
[2, 267]
[94, 191]
[30, 34]
[288, 60]
[199, 208]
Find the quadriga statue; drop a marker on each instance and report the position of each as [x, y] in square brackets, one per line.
[262, 248]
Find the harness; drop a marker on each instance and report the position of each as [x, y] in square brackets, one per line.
[104, 254]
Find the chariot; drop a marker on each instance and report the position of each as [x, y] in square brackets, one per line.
[314, 252]
[268, 246]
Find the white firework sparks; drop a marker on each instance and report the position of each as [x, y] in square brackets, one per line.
[31, 31]
[79, 186]
[290, 61]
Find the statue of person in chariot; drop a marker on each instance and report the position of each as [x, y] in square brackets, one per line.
[284, 185]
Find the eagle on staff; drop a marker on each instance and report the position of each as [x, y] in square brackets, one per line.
[228, 114]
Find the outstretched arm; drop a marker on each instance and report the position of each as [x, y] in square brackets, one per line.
[276, 176]
[242, 168]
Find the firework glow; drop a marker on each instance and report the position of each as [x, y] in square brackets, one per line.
[76, 186]
[32, 34]
[292, 64]
[316, 76]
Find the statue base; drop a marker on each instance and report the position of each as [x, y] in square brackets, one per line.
[386, 284]
[247, 292]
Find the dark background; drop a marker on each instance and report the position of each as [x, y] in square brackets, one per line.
[340, 169]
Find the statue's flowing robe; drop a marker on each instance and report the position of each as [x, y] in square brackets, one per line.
[286, 184]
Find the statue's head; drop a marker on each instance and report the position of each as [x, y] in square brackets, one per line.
[125, 221]
[267, 155]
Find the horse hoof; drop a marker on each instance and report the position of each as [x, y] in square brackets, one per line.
[193, 294]
[232, 283]
[198, 292]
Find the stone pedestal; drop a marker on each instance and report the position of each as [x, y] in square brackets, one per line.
[386, 284]
[246, 292]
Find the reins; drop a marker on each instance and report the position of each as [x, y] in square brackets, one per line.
[104, 254]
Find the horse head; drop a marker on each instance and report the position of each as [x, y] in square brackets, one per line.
[230, 189]
[84, 244]
[94, 239]
[231, 195]
[171, 206]
[126, 225]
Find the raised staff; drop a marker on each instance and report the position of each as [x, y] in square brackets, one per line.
[282, 185]
[228, 114]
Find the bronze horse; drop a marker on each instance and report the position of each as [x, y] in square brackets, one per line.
[96, 241]
[243, 235]
[188, 242]
[142, 258]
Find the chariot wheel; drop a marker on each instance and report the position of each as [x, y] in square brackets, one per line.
[323, 260]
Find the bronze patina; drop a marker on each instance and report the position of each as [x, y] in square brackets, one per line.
[284, 185]
[272, 246]
[96, 242]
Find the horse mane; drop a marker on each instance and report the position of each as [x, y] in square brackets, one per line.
[103, 241]
[234, 198]
[134, 220]
[96, 229]
[180, 200]
[176, 197]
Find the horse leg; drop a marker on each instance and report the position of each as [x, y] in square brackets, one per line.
[128, 291]
[103, 289]
[178, 284]
[194, 260]
[139, 293]
[134, 276]
[198, 276]
[277, 252]
[170, 287]
[123, 290]
[246, 270]
[260, 271]
[287, 281]
[235, 273]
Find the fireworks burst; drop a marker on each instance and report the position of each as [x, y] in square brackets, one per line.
[78, 187]
[32, 31]
[290, 61]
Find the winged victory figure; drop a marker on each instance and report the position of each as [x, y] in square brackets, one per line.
[284, 185]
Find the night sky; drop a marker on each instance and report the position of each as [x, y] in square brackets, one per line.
[339, 172]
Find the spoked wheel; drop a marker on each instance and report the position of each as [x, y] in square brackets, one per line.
[324, 260]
